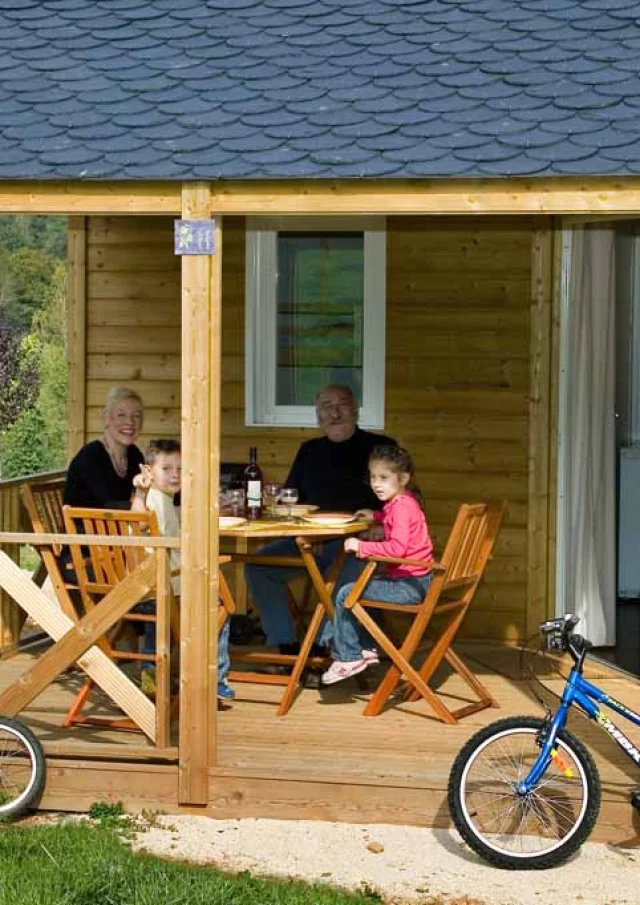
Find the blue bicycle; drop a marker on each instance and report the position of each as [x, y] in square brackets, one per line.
[524, 793]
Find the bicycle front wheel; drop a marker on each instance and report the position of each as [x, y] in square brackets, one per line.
[515, 831]
[22, 768]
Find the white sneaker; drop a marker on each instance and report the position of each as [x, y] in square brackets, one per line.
[340, 670]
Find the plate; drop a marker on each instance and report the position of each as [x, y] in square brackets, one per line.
[329, 519]
[230, 521]
[297, 509]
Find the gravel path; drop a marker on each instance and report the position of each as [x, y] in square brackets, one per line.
[403, 864]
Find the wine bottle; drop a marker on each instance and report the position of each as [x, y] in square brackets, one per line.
[252, 477]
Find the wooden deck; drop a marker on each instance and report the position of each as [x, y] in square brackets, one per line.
[324, 760]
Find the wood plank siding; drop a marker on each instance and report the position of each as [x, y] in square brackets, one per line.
[459, 299]
[133, 318]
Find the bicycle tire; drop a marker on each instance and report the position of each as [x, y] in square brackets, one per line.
[22, 768]
[518, 832]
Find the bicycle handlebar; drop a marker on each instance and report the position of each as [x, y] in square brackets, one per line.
[559, 635]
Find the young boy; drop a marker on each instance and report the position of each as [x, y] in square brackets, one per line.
[154, 489]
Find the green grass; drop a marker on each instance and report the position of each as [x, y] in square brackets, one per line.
[89, 864]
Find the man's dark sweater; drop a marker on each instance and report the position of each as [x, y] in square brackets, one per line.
[335, 476]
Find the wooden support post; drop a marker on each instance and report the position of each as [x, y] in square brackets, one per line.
[163, 649]
[201, 455]
[538, 605]
[11, 619]
[215, 376]
[76, 333]
[554, 412]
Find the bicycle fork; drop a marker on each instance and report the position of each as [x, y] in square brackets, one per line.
[547, 739]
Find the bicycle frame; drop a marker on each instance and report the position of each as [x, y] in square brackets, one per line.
[578, 691]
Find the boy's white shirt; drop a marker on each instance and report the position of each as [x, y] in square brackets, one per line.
[168, 517]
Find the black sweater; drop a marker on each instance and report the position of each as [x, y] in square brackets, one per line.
[335, 476]
[93, 482]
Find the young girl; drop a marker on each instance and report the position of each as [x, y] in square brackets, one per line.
[405, 535]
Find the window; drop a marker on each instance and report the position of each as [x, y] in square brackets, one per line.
[315, 315]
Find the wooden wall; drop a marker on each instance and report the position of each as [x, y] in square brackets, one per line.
[459, 293]
[458, 361]
[133, 319]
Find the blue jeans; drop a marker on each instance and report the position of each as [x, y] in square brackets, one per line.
[224, 660]
[149, 642]
[148, 607]
[349, 637]
[268, 587]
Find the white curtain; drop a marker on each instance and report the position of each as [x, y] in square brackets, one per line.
[587, 517]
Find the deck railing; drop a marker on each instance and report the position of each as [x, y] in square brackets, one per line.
[13, 518]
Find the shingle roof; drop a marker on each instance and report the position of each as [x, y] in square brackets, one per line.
[266, 89]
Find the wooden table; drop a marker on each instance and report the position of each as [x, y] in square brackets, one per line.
[306, 536]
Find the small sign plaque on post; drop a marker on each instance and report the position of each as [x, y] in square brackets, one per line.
[193, 237]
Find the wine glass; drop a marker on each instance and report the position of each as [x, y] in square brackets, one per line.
[289, 497]
[271, 494]
[224, 502]
[236, 501]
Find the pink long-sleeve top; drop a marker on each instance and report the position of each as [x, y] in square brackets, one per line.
[405, 535]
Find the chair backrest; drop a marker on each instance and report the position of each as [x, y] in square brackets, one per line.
[100, 568]
[468, 548]
[43, 502]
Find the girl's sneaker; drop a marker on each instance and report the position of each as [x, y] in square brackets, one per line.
[340, 670]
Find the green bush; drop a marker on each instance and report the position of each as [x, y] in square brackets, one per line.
[23, 447]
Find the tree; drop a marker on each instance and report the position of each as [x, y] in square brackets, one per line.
[35, 439]
[18, 378]
[46, 233]
[28, 276]
[50, 331]
[33, 367]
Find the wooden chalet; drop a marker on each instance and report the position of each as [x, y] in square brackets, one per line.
[312, 118]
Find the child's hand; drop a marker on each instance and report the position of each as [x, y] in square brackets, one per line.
[352, 545]
[142, 482]
[365, 514]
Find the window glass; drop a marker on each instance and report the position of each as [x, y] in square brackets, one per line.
[315, 314]
[320, 314]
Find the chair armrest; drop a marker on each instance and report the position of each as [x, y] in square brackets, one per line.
[430, 565]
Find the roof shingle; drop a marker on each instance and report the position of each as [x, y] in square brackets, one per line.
[266, 89]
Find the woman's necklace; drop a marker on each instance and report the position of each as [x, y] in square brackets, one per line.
[120, 465]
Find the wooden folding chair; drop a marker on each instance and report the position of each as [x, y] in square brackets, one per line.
[43, 502]
[455, 580]
[98, 570]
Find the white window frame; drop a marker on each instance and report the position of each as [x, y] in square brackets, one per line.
[260, 336]
[563, 415]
